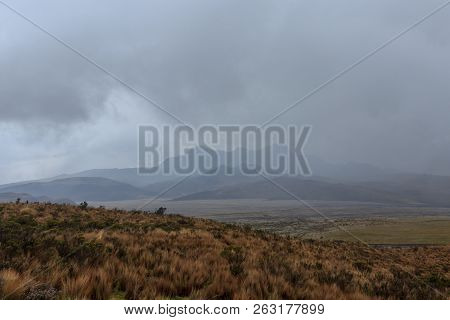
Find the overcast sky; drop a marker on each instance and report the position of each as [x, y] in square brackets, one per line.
[224, 61]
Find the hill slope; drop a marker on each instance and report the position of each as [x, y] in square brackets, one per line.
[101, 254]
[303, 188]
[79, 189]
[12, 197]
[428, 189]
[199, 183]
[126, 175]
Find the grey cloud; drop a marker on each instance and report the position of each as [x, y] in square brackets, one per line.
[42, 81]
[241, 62]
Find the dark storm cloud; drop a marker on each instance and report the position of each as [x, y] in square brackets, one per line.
[198, 57]
[240, 62]
[188, 56]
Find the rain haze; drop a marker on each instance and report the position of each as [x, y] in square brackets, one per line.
[222, 62]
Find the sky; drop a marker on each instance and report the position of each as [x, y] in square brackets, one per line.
[222, 62]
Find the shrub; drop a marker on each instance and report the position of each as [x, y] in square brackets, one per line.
[235, 257]
[83, 205]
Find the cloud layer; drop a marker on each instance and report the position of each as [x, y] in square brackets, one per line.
[224, 62]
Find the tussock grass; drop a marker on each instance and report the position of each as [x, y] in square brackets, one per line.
[67, 252]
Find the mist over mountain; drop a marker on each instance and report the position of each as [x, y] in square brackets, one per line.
[328, 182]
[127, 175]
[428, 189]
[230, 164]
[183, 186]
[305, 189]
[231, 62]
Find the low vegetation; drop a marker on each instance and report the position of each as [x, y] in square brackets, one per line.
[432, 230]
[77, 252]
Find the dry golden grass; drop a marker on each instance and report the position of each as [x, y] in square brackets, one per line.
[65, 252]
[13, 284]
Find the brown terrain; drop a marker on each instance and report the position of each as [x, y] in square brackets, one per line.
[73, 252]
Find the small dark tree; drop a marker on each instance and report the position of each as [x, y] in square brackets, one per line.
[161, 211]
[18, 200]
[83, 205]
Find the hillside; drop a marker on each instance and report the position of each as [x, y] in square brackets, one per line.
[199, 183]
[429, 189]
[78, 189]
[12, 197]
[126, 175]
[66, 252]
[396, 189]
[306, 189]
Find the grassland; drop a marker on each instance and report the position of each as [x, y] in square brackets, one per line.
[69, 252]
[405, 231]
[375, 223]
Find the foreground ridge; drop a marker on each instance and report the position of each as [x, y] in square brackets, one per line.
[50, 251]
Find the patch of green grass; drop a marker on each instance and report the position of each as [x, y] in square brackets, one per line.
[118, 295]
[398, 231]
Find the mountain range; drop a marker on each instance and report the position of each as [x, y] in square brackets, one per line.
[78, 189]
[330, 182]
